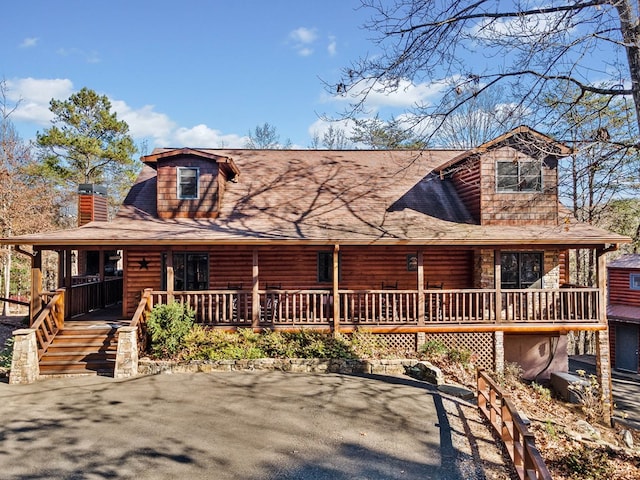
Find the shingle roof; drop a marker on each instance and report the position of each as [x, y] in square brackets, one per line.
[316, 196]
[625, 261]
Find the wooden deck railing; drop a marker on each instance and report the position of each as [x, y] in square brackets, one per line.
[392, 308]
[49, 322]
[88, 296]
[139, 319]
[506, 421]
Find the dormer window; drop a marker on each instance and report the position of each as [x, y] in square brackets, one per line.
[519, 176]
[188, 183]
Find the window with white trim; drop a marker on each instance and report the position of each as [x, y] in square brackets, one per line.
[519, 176]
[188, 183]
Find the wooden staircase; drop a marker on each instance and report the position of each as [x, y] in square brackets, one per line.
[82, 348]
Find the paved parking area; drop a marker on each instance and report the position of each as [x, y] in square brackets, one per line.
[250, 425]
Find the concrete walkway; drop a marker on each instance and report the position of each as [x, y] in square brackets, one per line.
[253, 425]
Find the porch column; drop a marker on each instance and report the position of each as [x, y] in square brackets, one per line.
[36, 286]
[255, 290]
[336, 293]
[603, 360]
[497, 282]
[170, 276]
[498, 336]
[68, 282]
[421, 305]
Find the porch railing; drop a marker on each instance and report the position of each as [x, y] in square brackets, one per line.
[392, 307]
[49, 321]
[88, 296]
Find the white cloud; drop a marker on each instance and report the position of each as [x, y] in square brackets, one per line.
[32, 97]
[525, 28]
[205, 137]
[303, 35]
[332, 47]
[29, 42]
[144, 122]
[403, 94]
[90, 57]
[302, 38]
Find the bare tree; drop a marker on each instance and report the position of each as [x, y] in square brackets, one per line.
[477, 121]
[334, 138]
[523, 49]
[265, 136]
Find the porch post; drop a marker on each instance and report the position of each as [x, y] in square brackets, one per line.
[36, 286]
[421, 305]
[603, 361]
[336, 293]
[68, 283]
[170, 276]
[497, 282]
[498, 336]
[255, 290]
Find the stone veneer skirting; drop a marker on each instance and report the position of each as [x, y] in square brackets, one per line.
[298, 365]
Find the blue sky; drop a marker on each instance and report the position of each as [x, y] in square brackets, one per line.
[190, 73]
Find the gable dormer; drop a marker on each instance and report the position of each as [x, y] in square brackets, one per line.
[190, 182]
[511, 180]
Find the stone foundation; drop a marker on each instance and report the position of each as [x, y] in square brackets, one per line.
[299, 365]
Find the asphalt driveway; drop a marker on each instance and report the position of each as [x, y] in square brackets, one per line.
[252, 425]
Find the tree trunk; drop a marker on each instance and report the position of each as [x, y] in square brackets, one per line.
[630, 30]
[6, 281]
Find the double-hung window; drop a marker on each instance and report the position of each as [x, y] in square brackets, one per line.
[519, 176]
[188, 183]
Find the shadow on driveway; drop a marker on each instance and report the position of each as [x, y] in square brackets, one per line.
[249, 425]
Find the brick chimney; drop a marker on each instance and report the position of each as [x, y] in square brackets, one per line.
[92, 203]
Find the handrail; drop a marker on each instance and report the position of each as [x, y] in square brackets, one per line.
[500, 411]
[49, 322]
[140, 318]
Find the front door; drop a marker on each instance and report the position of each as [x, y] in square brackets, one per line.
[627, 347]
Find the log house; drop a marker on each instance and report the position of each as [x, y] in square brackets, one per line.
[470, 247]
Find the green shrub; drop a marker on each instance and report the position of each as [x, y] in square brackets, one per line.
[433, 349]
[168, 326]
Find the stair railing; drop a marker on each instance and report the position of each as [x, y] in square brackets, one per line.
[139, 319]
[49, 322]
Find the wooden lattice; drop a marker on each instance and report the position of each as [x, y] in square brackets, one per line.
[480, 344]
[400, 341]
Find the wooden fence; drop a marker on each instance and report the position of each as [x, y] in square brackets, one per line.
[506, 421]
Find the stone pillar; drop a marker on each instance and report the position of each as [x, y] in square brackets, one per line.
[603, 372]
[24, 363]
[127, 354]
[421, 339]
[498, 352]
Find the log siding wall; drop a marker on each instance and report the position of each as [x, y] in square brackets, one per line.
[620, 292]
[295, 267]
